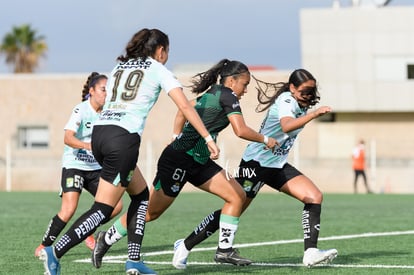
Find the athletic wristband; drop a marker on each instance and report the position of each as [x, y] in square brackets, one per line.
[265, 139]
[208, 138]
[174, 136]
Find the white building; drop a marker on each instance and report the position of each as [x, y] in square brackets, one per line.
[363, 57]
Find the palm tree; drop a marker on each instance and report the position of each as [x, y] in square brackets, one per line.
[23, 48]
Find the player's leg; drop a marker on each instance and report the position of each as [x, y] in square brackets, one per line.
[84, 226]
[303, 189]
[118, 230]
[91, 185]
[234, 196]
[158, 203]
[116, 150]
[357, 174]
[136, 216]
[250, 182]
[70, 193]
[364, 177]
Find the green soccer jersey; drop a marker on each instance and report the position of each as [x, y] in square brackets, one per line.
[214, 107]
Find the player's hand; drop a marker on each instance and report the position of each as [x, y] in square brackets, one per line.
[214, 150]
[272, 144]
[322, 110]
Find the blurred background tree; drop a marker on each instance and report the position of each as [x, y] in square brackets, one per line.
[23, 48]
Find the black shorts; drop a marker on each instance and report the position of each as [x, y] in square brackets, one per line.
[74, 180]
[175, 168]
[116, 150]
[251, 176]
[359, 172]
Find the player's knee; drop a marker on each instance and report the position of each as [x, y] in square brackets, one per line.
[104, 211]
[66, 214]
[242, 196]
[315, 197]
[152, 215]
[238, 198]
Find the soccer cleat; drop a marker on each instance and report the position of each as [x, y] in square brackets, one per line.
[38, 249]
[50, 262]
[90, 242]
[101, 247]
[314, 256]
[138, 268]
[231, 257]
[180, 255]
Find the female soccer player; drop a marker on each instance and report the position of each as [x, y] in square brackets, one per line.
[133, 88]
[287, 114]
[187, 158]
[80, 170]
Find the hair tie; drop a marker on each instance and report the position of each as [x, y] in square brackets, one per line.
[87, 96]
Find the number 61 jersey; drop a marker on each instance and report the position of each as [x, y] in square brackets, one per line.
[132, 90]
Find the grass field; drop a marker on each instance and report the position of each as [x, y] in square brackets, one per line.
[373, 235]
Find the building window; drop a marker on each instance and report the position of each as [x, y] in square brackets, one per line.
[33, 137]
[410, 71]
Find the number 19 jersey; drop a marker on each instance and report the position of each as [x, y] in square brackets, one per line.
[132, 90]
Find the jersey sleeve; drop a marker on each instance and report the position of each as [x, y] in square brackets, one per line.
[286, 107]
[229, 102]
[169, 81]
[75, 119]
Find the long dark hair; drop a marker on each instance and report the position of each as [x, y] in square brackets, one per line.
[223, 69]
[143, 44]
[93, 78]
[267, 93]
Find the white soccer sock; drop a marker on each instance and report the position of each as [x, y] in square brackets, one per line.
[228, 228]
[115, 233]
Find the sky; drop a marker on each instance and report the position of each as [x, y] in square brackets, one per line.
[85, 36]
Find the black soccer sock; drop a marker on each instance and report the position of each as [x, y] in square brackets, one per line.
[205, 229]
[311, 218]
[84, 226]
[137, 211]
[53, 230]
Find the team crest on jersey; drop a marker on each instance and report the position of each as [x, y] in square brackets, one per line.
[176, 187]
[69, 182]
[235, 105]
[247, 185]
[130, 175]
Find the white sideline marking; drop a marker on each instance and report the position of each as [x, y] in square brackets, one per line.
[117, 259]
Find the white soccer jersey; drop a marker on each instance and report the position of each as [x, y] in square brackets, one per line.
[284, 106]
[81, 121]
[132, 90]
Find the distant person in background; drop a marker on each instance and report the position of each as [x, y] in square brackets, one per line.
[358, 164]
[80, 170]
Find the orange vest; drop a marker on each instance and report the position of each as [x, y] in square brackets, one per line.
[358, 158]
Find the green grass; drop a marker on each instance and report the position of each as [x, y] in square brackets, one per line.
[271, 217]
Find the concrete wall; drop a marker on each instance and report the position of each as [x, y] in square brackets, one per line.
[322, 152]
[360, 56]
